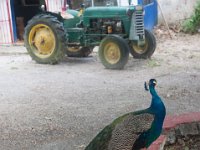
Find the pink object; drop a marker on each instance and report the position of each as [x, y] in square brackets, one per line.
[6, 33]
[64, 8]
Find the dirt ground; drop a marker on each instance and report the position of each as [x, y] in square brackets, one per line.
[62, 107]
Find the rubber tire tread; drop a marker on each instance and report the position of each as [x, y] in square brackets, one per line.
[82, 52]
[151, 47]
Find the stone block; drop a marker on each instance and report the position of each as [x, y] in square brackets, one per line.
[198, 126]
[171, 137]
[188, 129]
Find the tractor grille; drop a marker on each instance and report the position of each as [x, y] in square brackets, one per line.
[137, 26]
[139, 23]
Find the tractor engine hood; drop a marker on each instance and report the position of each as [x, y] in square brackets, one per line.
[72, 18]
[106, 12]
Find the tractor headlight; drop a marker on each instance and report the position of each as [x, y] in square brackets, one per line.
[138, 7]
[42, 7]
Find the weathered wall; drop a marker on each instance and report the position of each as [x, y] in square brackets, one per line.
[176, 10]
[6, 36]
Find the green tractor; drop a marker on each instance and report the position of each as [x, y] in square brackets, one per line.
[117, 30]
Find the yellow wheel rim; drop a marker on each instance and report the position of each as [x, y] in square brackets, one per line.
[42, 40]
[112, 53]
[140, 49]
[74, 49]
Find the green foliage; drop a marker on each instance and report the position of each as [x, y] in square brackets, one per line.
[153, 63]
[192, 24]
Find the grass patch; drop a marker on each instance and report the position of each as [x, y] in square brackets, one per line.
[14, 68]
[153, 63]
[192, 24]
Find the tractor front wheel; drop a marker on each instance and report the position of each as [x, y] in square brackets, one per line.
[45, 39]
[113, 52]
[145, 51]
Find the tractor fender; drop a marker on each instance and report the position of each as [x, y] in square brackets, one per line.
[55, 14]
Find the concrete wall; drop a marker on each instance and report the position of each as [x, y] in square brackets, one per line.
[176, 10]
[6, 36]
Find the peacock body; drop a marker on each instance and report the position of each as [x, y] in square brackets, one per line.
[134, 130]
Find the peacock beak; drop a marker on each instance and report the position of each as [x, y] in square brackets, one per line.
[146, 84]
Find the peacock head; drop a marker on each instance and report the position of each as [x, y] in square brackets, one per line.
[151, 83]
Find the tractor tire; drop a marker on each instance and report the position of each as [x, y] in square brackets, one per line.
[79, 51]
[113, 52]
[146, 51]
[45, 39]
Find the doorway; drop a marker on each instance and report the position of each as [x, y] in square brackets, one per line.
[22, 12]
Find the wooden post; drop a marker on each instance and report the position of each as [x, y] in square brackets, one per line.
[164, 18]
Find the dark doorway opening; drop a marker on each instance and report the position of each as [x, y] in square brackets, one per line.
[22, 12]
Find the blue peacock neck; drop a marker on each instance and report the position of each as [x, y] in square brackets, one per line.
[157, 106]
[158, 109]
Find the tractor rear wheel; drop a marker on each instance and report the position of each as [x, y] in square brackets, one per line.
[113, 52]
[145, 51]
[45, 39]
[79, 51]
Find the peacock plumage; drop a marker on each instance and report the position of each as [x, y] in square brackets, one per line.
[134, 130]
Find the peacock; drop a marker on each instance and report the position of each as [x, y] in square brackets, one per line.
[134, 130]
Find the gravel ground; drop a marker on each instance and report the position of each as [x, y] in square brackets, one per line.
[55, 107]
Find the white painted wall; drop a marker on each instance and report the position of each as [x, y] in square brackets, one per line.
[6, 36]
[125, 2]
[176, 10]
[173, 10]
[54, 5]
